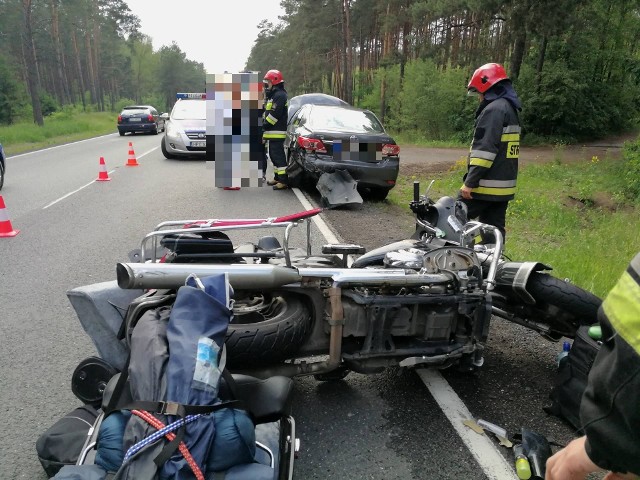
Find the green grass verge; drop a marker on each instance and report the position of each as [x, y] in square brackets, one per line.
[58, 129]
[418, 139]
[573, 217]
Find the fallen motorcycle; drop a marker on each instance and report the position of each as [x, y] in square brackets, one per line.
[425, 301]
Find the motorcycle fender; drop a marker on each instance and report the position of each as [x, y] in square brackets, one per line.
[516, 275]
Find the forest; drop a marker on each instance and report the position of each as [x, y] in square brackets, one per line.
[83, 54]
[574, 63]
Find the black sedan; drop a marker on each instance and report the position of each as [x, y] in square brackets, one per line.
[140, 118]
[323, 138]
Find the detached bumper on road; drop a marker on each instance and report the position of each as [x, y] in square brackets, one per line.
[373, 174]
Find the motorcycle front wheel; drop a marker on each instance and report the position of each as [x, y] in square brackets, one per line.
[560, 305]
[267, 328]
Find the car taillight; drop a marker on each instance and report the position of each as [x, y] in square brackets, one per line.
[150, 118]
[390, 149]
[119, 118]
[312, 144]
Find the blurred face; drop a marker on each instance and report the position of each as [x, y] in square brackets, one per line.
[267, 84]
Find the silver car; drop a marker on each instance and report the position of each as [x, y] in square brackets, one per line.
[185, 128]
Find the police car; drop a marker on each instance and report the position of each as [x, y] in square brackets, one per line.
[185, 129]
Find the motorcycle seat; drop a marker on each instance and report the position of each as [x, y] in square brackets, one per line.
[266, 399]
[189, 243]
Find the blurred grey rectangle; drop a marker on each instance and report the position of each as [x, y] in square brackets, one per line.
[234, 128]
[357, 151]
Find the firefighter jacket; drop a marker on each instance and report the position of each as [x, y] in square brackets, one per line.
[610, 408]
[275, 114]
[492, 167]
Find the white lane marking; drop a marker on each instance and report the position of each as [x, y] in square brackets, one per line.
[93, 181]
[60, 146]
[70, 193]
[326, 231]
[481, 447]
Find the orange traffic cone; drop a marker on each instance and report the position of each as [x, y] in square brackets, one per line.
[6, 230]
[103, 175]
[131, 161]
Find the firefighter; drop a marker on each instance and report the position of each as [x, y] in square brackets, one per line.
[610, 407]
[492, 166]
[275, 126]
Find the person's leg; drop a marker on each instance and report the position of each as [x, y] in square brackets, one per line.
[267, 157]
[263, 162]
[276, 152]
[495, 213]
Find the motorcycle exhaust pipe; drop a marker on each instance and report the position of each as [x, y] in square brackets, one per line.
[172, 276]
[253, 277]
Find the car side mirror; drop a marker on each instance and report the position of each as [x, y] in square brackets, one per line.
[164, 116]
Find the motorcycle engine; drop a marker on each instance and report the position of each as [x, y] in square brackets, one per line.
[410, 258]
[433, 261]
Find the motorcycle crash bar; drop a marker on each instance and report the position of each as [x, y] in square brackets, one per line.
[251, 277]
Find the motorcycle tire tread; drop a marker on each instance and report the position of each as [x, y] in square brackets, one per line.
[270, 341]
[566, 296]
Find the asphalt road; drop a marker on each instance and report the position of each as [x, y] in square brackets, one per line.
[73, 232]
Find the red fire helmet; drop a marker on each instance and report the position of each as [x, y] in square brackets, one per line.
[274, 76]
[486, 77]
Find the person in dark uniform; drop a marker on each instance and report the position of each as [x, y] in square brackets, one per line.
[275, 126]
[610, 407]
[492, 166]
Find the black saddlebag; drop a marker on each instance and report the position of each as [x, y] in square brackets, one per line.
[62, 443]
[571, 379]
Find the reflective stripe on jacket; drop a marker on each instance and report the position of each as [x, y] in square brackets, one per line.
[492, 167]
[275, 115]
[610, 407]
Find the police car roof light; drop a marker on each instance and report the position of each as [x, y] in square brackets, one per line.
[183, 96]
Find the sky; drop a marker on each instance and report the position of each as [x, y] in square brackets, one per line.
[217, 33]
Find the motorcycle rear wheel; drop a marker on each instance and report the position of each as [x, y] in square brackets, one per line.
[269, 334]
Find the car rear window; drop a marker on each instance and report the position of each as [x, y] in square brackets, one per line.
[344, 120]
[133, 110]
[189, 110]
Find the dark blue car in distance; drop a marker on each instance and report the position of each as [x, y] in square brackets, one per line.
[140, 119]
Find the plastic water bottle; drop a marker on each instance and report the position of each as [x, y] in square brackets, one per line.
[566, 346]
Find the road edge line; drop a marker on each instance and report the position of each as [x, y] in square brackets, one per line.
[481, 447]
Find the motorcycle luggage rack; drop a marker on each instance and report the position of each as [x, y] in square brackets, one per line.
[220, 225]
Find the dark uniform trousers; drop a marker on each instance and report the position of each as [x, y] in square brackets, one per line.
[487, 211]
[275, 148]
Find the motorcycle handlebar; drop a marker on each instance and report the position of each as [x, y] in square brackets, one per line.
[416, 191]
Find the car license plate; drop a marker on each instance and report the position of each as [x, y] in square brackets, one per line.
[199, 144]
[135, 119]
